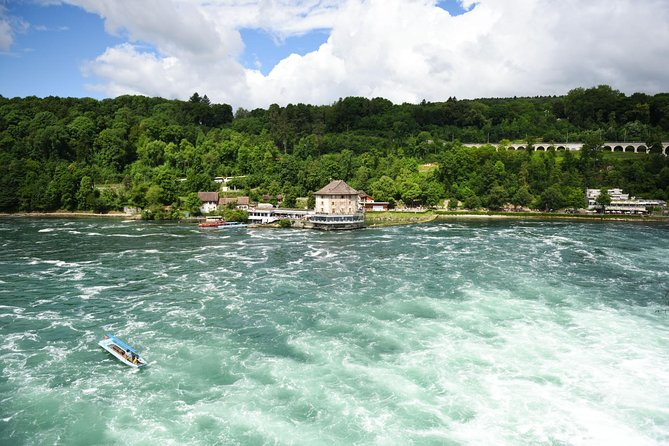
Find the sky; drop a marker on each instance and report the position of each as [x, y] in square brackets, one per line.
[253, 53]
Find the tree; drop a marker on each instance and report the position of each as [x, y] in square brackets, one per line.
[82, 135]
[152, 153]
[591, 156]
[552, 199]
[497, 198]
[603, 200]
[383, 189]
[522, 197]
[289, 198]
[86, 197]
[239, 215]
[154, 195]
[471, 201]
[11, 174]
[110, 146]
[574, 197]
[433, 192]
[311, 200]
[410, 192]
[191, 203]
[281, 128]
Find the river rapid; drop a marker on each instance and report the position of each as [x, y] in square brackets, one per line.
[460, 333]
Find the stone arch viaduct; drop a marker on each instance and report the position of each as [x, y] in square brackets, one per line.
[611, 146]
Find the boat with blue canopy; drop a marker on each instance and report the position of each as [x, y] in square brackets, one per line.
[122, 351]
[232, 224]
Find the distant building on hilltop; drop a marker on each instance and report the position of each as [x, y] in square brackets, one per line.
[223, 181]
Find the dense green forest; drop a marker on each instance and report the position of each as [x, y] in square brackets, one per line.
[154, 153]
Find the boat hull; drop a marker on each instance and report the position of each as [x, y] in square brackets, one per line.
[123, 352]
[221, 224]
[230, 225]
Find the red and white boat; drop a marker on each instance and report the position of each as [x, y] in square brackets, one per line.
[221, 224]
[212, 223]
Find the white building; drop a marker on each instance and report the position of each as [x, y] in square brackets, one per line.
[209, 201]
[622, 203]
[270, 215]
[223, 181]
[366, 203]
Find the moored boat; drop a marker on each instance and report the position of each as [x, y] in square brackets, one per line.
[220, 224]
[232, 224]
[211, 223]
[122, 351]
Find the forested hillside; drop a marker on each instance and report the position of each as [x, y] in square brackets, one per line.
[153, 153]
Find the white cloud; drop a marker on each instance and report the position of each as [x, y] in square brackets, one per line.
[9, 26]
[6, 38]
[404, 50]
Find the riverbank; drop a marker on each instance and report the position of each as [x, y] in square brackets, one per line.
[392, 218]
[63, 214]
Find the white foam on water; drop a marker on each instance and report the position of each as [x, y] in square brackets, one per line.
[452, 335]
[88, 292]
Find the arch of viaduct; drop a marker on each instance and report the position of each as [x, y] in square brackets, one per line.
[612, 146]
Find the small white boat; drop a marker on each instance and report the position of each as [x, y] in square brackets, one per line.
[232, 224]
[122, 351]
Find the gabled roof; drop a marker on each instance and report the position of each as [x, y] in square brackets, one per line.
[337, 187]
[241, 201]
[208, 196]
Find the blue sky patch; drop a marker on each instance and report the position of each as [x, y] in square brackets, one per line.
[453, 7]
[263, 51]
[46, 58]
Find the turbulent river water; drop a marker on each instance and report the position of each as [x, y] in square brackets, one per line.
[456, 333]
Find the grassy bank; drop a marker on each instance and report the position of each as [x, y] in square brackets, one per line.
[389, 218]
[445, 215]
[67, 214]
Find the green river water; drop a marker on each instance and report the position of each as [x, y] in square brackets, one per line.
[463, 333]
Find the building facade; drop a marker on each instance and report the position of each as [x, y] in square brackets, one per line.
[337, 207]
[209, 201]
[366, 203]
[337, 198]
[621, 203]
